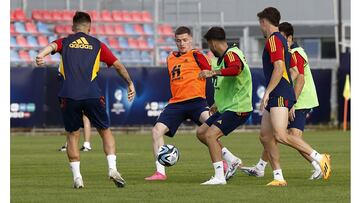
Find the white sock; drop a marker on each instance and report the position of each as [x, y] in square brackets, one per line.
[65, 145]
[219, 170]
[261, 165]
[316, 165]
[75, 168]
[228, 156]
[160, 168]
[278, 174]
[87, 145]
[111, 158]
[316, 156]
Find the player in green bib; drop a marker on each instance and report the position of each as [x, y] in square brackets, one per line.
[306, 96]
[233, 101]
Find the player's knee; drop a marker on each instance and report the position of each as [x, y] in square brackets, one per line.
[295, 132]
[200, 134]
[280, 137]
[156, 132]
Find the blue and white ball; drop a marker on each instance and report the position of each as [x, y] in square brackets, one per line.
[168, 155]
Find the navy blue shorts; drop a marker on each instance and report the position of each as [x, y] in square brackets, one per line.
[228, 121]
[300, 119]
[279, 102]
[73, 110]
[174, 114]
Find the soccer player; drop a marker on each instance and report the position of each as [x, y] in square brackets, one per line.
[86, 147]
[306, 96]
[80, 93]
[188, 96]
[278, 98]
[233, 99]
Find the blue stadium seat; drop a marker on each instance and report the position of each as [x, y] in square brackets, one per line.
[20, 27]
[146, 57]
[104, 40]
[43, 28]
[125, 56]
[14, 56]
[32, 42]
[13, 42]
[163, 56]
[33, 54]
[52, 38]
[129, 29]
[170, 40]
[148, 29]
[123, 42]
[150, 42]
[135, 56]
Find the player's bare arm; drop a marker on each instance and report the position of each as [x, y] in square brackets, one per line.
[121, 70]
[44, 52]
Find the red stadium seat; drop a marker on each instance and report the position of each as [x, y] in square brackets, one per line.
[139, 29]
[12, 15]
[119, 30]
[133, 43]
[136, 16]
[59, 29]
[68, 29]
[100, 30]
[19, 15]
[57, 15]
[12, 29]
[31, 27]
[143, 43]
[93, 30]
[68, 15]
[146, 17]
[37, 15]
[94, 15]
[113, 42]
[24, 55]
[127, 17]
[106, 16]
[46, 15]
[109, 30]
[167, 30]
[21, 41]
[42, 40]
[117, 15]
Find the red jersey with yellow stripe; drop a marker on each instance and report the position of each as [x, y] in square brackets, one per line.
[184, 71]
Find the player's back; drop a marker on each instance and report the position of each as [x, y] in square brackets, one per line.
[278, 44]
[80, 63]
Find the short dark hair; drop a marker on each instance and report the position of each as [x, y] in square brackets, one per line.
[81, 17]
[183, 30]
[271, 14]
[215, 33]
[286, 28]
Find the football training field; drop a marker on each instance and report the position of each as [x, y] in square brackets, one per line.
[39, 173]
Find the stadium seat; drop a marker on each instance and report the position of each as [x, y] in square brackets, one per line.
[167, 30]
[43, 28]
[24, 56]
[150, 42]
[19, 15]
[42, 40]
[109, 29]
[117, 15]
[31, 27]
[139, 29]
[146, 57]
[100, 30]
[146, 17]
[13, 42]
[163, 55]
[170, 40]
[57, 15]
[59, 29]
[46, 16]
[119, 30]
[12, 16]
[37, 15]
[113, 42]
[14, 56]
[126, 16]
[106, 16]
[19, 27]
[103, 39]
[21, 41]
[136, 16]
[125, 56]
[123, 42]
[68, 15]
[135, 56]
[68, 29]
[133, 43]
[93, 30]
[52, 38]
[129, 29]
[94, 15]
[32, 42]
[142, 44]
[12, 28]
[148, 29]
[33, 54]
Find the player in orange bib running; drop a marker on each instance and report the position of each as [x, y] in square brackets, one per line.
[188, 99]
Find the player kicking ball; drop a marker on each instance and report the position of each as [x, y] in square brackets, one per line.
[233, 99]
[306, 96]
[188, 99]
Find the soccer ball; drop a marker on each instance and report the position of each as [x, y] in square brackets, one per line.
[168, 155]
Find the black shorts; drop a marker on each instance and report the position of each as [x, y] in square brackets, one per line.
[279, 102]
[174, 114]
[228, 121]
[73, 110]
[300, 119]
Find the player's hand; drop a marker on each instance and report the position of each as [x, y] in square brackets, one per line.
[264, 101]
[206, 74]
[213, 109]
[40, 61]
[292, 114]
[131, 92]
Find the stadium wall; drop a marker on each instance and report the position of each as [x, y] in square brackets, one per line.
[34, 101]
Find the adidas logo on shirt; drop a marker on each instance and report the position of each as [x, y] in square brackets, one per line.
[80, 43]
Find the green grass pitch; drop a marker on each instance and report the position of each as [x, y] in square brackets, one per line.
[39, 173]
